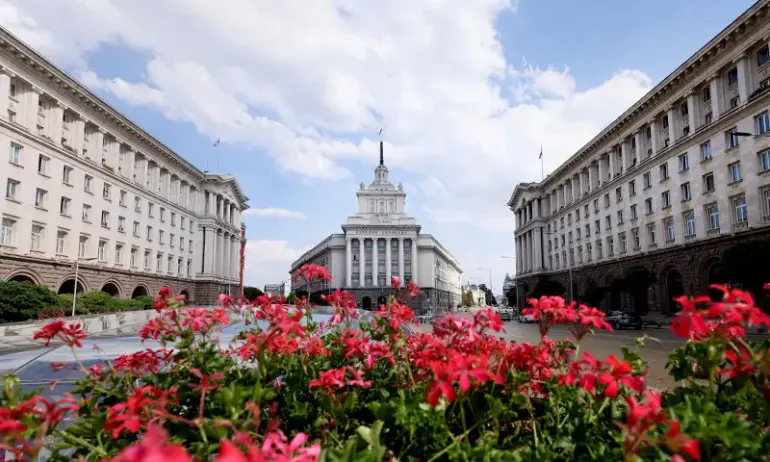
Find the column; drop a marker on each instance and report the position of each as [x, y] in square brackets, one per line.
[29, 112]
[348, 262]
[590, 184]
[96, 152]
[388, 258]
[235, 264]
[375, 258]
[401, 259]
[715, 88]
[225, 255]
[692, 110]
[538, 249]
[56, 122]
[362, 265]
[226, 211]
[602, 172]
[654, 136]
[517, 241]
[210, 243]
[673, 135]
[744, 77]
[218, 255]
[5, 91]
[415, 257]
[639, 140]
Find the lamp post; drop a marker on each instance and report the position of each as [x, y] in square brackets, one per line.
[77, 281]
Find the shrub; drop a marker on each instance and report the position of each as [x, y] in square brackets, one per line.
[20, 301]
[376, 393]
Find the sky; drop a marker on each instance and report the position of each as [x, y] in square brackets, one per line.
[466, 92]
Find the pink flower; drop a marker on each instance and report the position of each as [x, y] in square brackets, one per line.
[69, 333]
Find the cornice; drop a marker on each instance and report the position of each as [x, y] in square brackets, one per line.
[88, 100]
[705, 56]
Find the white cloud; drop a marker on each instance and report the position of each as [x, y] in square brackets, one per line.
[267, 261]
[307, 81]
[275, 213]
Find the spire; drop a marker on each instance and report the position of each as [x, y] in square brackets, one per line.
[382, 159]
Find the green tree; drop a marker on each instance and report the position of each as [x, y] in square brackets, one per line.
[251, 293]
[511, 296]
[20, 301]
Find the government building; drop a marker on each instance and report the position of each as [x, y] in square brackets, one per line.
[645, 210]
[83, 184]
[378, 242]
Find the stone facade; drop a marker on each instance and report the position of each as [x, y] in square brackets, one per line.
[59, 276]
[681, 270]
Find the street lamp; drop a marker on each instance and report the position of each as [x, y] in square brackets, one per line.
[77, 281]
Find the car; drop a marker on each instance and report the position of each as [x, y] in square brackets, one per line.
[527, 318]
[506, 314]
[624, 320]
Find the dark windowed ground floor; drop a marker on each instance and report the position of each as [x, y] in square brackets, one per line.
[646, 283]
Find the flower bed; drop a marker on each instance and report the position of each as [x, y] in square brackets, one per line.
[297, 390]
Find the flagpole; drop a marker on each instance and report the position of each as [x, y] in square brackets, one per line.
[542, 169]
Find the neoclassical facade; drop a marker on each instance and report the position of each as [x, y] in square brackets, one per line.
[380, 241]
[666, 187]
[85, 184]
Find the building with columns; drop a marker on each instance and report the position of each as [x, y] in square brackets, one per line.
[84, 183]
[381, 241]
[643, 212]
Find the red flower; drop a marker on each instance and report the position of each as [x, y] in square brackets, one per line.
[153, 447]
[395, 282]
[413, 289]
[549, 311]
[69, 333]
[311, 272]
[206, 384]
[335, 379]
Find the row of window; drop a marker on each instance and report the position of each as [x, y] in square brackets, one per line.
[38, 242]
[45, 128]
[732, 141]
[739, 213]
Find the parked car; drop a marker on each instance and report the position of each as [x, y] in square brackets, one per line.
[527, 318]
[624, 320]
[506, 314]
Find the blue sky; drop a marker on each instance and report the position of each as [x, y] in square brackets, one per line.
[466, 92]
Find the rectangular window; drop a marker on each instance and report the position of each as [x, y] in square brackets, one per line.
[762, 122]
[66, 173]
[632, 187]
[136, 229]
[12, 188]
[689, 223]
[101, 251]
[622, 241]
[618, 194]
[162, 215]
[732, 76]
[633, 212]
[88, 183]
[121, 224]
[149, 233]
[86, 214]
[40, 198]
[15, 154]
[620, 217]
[668, 225]
[608, 221]
[61, 242]
[684, 162]
[636, 239]
[146, 261]
[686, 192]
[64, 206]
[151, 210]
[82, 246]
[734, 170]
[118, 254]
[763, 56]
[651, 234]
[764, 160]
[122, 199]
[6, 231]
[43, 164]
[666, 199]
[137, 204]
[134, 257]
[713, 217]
[107, 191]
[172, 239]
[648, 205]
[741, 212]
[647, 178]
[664, 172]
[36, 238]
[731, 138]
[708, 182]
[105, 219]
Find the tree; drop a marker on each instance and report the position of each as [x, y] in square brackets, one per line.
[20, 301]
[489, 298]
[511, 296]
[251, 293]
